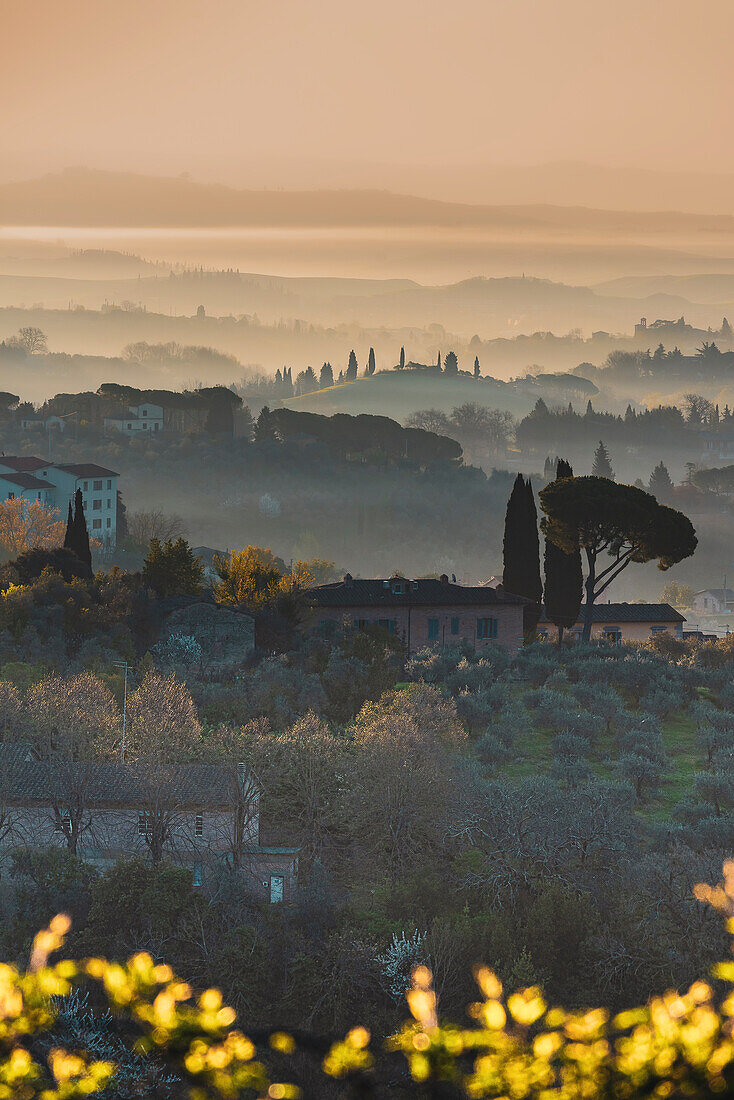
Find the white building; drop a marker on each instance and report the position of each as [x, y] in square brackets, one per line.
[713, 601]
[139, 418]
[55, 484]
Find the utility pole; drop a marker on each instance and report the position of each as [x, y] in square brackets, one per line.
[126, 667]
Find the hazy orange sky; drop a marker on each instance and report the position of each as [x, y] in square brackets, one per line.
[226, 89]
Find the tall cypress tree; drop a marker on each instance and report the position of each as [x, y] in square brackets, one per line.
[521, 550]
[80, 535]
[371, 362]
[69, 536]
[563, 577]
[351, 371]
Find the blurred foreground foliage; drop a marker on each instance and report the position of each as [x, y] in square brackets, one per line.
[517, 1045]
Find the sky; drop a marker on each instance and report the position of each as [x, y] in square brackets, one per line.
[247, 91]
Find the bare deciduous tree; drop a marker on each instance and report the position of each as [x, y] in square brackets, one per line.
[31, 340]
[163, 735]
[74, 724]
[155, 524]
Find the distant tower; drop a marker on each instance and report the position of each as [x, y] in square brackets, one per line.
[201, 313]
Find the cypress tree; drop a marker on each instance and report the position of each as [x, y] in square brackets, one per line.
[438, 361]
[563, 577]
[476, 366]
[351, 373]
[80, 535]
[69, 536]
[451, 364]
[402, 358]
[661, 485]
[371, 362]
[326, 378]
[602, 465]
[521, 552]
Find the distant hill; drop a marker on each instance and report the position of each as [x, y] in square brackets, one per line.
[488, 307]
[400, 393]
[616, 187]
[80, 196]
[706, 288]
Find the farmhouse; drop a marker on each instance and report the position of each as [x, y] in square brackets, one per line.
[425, 612]
[199, 816]
[625, 622]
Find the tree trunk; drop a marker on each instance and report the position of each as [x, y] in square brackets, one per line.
[560, 637]
[589, 586]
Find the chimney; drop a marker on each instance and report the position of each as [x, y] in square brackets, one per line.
[348, 580]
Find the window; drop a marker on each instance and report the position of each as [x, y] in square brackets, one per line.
[276, 888]
[361, 624]
[658, 628]
[109, 502]
[455, 626]
[613, 635]
[109, 523]
[398, 588]
[199, 825]
[387, 624]
[11, 496]
[145, 823]
[145, 412]
[155, 427]
[109, 483]
[197, 875]
[85, 486]
[129, 427]
[97, 505]
[432, 629]
[97, 486]
[96, 524]
[486, 628]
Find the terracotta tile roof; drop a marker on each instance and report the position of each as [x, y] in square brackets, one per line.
[26, 481]
[27, 464]
[26, 780]
[630, 613]
[85, 469]
[401, 592]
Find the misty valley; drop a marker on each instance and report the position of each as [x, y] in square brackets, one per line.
[366, 569]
